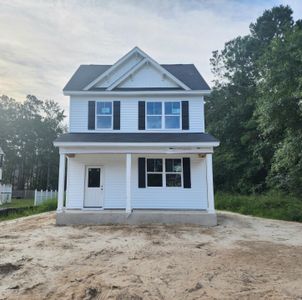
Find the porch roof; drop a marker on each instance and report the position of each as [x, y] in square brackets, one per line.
[133, 137]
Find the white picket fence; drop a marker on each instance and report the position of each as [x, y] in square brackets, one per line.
[42, 196]
[5, 193]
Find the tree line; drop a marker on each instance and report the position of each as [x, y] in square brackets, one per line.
[27, 132]
[255, 108]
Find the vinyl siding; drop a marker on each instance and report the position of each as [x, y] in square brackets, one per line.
[141, 198]
[114, 180]
[78, 119]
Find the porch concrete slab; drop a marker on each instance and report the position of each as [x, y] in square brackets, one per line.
[137, 217]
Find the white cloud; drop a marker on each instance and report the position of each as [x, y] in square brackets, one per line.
[42, 43]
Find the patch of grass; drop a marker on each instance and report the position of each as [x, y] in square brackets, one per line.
[18, 203]
[19, 212]
[272, 205]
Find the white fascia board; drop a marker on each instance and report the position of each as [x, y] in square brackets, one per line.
[112, 68]
[137, 93]
[136, 145]
[132, 150]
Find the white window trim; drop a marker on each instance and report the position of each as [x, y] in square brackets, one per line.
[99, 115]
[163, 173]
[163, 115]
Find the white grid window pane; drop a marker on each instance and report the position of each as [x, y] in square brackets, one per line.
[172, 122]
[104, 108]
[154, 122]
[172, 108]
[154, 108]
[104, 121]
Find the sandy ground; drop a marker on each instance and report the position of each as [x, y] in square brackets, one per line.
[242, 258]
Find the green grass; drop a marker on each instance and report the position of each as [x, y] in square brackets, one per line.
[272, 205]
[18, 203]
[48, 205]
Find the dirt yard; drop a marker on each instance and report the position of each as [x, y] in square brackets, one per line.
[242, 258]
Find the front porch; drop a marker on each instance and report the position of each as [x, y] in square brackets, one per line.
[136, 217]
[124, 201]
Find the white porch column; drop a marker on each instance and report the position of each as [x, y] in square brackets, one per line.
[210, 187]
[61, 182]
[128, 183]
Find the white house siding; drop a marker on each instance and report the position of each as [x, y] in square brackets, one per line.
[171, 197]
[144, 198]
[148, 76]
[78, 119]
[113, 176]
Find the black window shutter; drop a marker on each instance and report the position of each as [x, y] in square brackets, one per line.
[141, 172]
[91, 115]
[185, 114]
[141, 115]
[186, 172]
[116, 115]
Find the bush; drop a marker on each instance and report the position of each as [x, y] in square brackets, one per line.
[13, 213]
[272, 205]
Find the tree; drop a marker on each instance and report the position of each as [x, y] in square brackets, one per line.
[235, 114]
[27, 132]
[279, 108]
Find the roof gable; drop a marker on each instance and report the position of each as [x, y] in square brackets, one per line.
[120, 75]
[146, 75]
[126, 66]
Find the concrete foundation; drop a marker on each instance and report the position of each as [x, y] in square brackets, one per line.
[105, 217]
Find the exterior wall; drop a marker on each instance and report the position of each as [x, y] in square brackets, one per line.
[114, 180]
[171, 197]
[143, 198]
[78, 118]
[149, 77]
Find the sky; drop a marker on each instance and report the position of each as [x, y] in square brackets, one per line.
[43, 42]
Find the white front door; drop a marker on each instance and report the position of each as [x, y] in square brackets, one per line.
[94, 191]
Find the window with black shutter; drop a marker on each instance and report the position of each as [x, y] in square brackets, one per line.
[141, 115]
[116, 115]
[185, 114]
[91, 115]
[141, 172]
[186, 172]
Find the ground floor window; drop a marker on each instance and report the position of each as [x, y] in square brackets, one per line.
[173, 172]
[164, 172]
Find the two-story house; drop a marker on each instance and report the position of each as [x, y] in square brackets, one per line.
[137, 151]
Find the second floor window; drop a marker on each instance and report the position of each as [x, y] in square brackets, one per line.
[154, 115]
[104, 115]
[163, 115]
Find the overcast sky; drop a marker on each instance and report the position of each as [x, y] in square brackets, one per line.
[43, 42]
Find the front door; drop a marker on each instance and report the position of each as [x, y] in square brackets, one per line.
[94, 191]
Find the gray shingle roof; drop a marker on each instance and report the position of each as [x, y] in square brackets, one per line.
[146, 137]
[187, 73]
